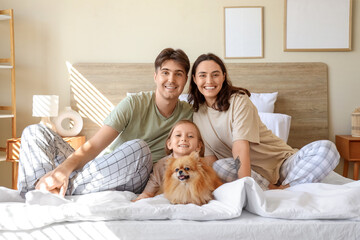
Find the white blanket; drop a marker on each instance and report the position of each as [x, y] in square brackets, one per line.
[307, 201]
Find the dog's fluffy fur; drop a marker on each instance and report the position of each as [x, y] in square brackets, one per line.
[189, 179]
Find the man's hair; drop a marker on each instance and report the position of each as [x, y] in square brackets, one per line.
[177, 55]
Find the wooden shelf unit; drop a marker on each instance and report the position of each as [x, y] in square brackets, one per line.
[349, 149]
[8, 64]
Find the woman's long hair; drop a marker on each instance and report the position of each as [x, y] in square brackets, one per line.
[227, 89]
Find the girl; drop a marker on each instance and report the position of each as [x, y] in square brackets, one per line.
[232, 129]
[183, 138]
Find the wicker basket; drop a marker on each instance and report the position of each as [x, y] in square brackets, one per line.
[355, 124]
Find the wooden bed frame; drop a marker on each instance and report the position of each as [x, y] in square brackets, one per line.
[302, 88]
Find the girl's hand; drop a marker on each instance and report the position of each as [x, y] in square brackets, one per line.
[143, 195]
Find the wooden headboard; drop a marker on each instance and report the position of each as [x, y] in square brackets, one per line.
[302, 88]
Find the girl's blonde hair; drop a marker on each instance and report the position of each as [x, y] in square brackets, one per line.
[202, 148]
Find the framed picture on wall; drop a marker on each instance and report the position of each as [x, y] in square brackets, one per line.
[244, 32]
[317, 25]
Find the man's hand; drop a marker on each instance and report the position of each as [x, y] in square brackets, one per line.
[55, 181]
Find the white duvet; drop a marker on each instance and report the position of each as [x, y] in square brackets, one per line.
[307, 201]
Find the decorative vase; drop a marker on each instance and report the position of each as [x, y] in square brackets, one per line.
[69, 123]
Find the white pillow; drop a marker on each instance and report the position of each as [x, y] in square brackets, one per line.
[278, 123]
[264, 102]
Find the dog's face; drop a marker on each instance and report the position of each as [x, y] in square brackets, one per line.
[182, 173]
[189, 180]
[185, 169]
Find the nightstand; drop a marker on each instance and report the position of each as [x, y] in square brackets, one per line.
[349, 149]
[13, 151]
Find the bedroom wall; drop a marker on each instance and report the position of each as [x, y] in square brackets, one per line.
[48, 33]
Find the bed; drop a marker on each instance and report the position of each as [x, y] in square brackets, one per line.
[241, 210]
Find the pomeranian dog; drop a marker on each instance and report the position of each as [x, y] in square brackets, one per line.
[189, 179]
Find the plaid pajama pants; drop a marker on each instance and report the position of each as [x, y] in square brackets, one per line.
[125, 169]
[311, 163]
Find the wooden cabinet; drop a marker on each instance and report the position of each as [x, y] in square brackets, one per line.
[349, 149]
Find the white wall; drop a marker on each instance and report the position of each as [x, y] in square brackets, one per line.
[49, 32]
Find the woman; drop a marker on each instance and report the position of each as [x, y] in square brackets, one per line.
[231, 129]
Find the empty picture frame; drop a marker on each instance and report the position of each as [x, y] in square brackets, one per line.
[317, 25]
[243, 32]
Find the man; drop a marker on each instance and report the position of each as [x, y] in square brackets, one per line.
[134, 133]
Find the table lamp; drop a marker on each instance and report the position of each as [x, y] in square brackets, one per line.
[46, 106]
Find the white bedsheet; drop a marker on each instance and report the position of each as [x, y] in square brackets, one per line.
[307, 201]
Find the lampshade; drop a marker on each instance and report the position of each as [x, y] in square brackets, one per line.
[45, 105]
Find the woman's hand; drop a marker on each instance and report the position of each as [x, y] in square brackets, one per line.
[273, 186]
[55, 181]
